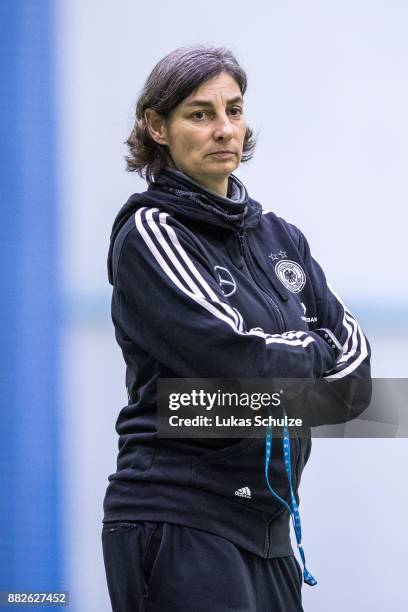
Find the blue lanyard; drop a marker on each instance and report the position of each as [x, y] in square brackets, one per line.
[293, 507]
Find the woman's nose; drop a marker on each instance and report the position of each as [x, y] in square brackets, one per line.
[223, 127]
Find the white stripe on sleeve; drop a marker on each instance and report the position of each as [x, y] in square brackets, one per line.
[355, 348]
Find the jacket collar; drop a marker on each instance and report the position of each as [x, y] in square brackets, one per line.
[233, 208]
[176, 193]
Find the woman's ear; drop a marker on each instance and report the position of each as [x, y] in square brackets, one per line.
[156, 125]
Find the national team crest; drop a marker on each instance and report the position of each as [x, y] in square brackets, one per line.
[291, 275]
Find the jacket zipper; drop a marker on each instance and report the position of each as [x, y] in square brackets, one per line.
[245, 252]
[243, 247]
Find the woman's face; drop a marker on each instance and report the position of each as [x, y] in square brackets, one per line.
[205, 132]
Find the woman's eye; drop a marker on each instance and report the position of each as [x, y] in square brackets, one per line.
[235, 111]
[199, 115]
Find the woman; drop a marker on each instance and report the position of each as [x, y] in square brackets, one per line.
[207, 284]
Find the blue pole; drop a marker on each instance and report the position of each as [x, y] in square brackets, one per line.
[30, 474]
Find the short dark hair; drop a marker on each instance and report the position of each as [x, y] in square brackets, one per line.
[173, 79]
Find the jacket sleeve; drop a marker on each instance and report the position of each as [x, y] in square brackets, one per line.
[168, 302]
[350, 390]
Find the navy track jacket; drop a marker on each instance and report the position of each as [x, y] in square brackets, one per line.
[206, 286]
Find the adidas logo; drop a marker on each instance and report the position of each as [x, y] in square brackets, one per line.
[244, 492]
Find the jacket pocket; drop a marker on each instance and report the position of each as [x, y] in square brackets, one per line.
[115, 526]
[153, 535]
[238, 474]
[228, 451]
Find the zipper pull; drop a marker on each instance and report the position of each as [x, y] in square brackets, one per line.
[242, 243]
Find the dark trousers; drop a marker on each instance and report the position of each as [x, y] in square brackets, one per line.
[166, 567]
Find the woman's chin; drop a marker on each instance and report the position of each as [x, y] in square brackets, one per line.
[223, 166]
